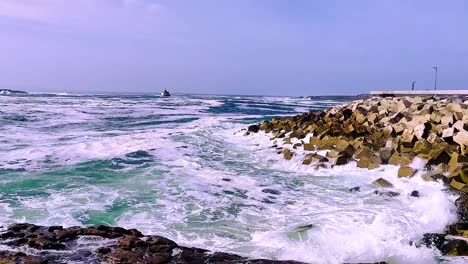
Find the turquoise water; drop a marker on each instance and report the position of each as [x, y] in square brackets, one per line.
[181, 167]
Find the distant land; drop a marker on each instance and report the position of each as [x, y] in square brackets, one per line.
[8, 91]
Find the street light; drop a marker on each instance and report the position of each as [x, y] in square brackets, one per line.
[412, 86]
[435, 83]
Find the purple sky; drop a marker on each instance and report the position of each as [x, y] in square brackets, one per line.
[259, 47]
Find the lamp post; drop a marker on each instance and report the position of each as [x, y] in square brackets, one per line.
[435, 83]
[412, 86]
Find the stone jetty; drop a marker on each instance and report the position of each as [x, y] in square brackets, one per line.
[426, 133]
[377, 131]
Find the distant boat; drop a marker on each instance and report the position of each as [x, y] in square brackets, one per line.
[165, 93]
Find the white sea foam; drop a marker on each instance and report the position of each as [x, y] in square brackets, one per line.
[208, 185]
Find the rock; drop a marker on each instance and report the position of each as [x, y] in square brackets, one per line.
[67, 233]
[457, 229]
[287, 154]
[129, 248]
[408, 139]
[448, 133]
[8, 257]
[455, 247]
[421, 147]
[463, 173]
[385, 154]
[319, 158]
[458, 185]
[432, 240]
[461, 138]
[454, 107]
[462, 207]
[447, 120]
[459, 125]
[309, 147]
[332, 154]
[253, 128]
[280, 134]
[405, 171]
[380, 182]
[308, 159]
[355, 189]
[414, 194]
[340, 160]
[103, 250]
[364, 152]
[434, 176]
[369, 163]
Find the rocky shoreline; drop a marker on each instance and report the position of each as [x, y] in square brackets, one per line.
[33, 244]
[428, 134]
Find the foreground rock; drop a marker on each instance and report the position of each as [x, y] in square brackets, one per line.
[117, 245]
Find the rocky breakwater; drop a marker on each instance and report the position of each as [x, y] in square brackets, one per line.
[33, 244]
[425, 133]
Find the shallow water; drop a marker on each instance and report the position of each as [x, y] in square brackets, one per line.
[181, 167]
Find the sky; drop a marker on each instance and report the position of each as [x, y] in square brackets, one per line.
[258, 47]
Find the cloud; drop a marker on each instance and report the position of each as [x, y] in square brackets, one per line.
[88, 15]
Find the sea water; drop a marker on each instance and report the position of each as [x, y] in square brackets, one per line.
[182, 167]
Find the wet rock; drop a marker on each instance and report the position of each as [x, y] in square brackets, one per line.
[435, 176]
[43, 242]
[432, 240]
[253, 128]
[131, 247]
[380, 182]
[67, 233]
[462, 207]
[339, 160]
[455, 247]
[355, 189]
[385, 154]
[460, 186]
[308, 159]
[405, 171]
[287, 154]
[369, 163]
[8, 257]
[23, 227]
[457, 229]
[53, 228]
[414, 194]
[103, 250]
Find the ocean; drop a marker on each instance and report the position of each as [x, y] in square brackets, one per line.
[182, 167]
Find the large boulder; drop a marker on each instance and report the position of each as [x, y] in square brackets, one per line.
[405, 171]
